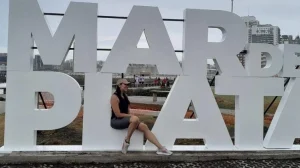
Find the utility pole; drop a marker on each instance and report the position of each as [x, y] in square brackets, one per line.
[232, 6]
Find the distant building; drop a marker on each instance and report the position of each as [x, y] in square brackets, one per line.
[3, 66]
[258, 33]
[267, 34]
[3, 61]
[3, 58]
[261, 33]
[288, 39]
[37, 63]
[142, 69]
[250, 21]
[241, 57]
[263, 60]
[297, 40]
[39, 66]
[211, 71]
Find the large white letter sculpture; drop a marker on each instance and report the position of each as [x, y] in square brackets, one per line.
[250, 92]
[209, 124]
[253, 60]
[23, 118]
[291, 60]
[197, 49]
[285, 125]
[284, 128]
[26, 20]
[160, 52]
[249, 106]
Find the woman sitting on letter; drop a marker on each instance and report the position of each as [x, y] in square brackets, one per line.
[121, 119]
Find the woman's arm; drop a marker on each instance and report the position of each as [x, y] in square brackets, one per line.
[114, 101]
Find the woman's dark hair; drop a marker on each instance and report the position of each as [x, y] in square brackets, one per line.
[118, 93]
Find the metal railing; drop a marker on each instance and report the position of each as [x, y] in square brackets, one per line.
[112, 17]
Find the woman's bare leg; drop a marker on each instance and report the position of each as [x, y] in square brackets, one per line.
[134, 121]
[149, 135]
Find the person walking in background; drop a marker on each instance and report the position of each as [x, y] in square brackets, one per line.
[122, 119]
[155, 81]
[168, 83]
[164, 81]
[142, 79]
[159, 81]
[137, 81]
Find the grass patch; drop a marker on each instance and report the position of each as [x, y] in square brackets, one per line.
[267, 102]
[69, 135]
[189, 142]
[223, 101]
[228, 102]
[148, 120]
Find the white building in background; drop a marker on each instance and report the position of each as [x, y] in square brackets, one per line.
[265, 34]
[3, 61]
[250, 21]
[2, 67]
[258, 33]
[141, 69]
[288, 39]
[211, 71]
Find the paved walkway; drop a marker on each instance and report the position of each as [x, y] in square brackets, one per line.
[151, 160]
[150, 87]
[208, 164]
[147, 100]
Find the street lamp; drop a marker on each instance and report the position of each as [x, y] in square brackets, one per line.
[232, 6]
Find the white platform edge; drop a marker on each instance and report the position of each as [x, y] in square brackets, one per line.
[176, 148]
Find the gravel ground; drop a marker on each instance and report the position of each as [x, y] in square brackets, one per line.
[207, 164]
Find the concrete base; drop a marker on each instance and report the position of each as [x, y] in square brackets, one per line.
[75, 154]
[176, 148]
[118, 157]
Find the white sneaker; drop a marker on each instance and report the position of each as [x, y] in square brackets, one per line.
[164, 151]
[125, 147]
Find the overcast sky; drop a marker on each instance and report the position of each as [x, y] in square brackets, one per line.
[282, 13]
